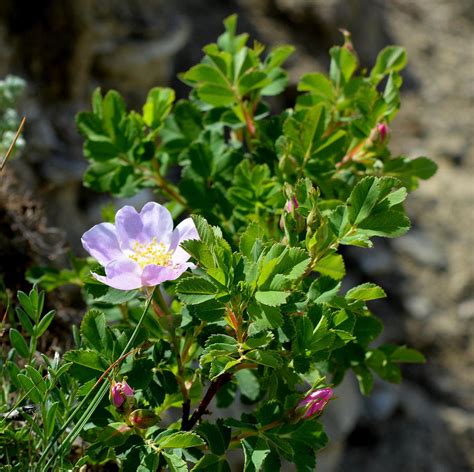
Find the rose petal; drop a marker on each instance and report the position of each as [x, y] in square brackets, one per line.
[117, 397]
[184, 231]
[153, 274]
[157, 222]
[123, 274]
[129, 228]
[101, 243]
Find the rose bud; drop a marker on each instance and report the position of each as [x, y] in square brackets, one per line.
[314, 403]
[383, 130]
[119, 392]
[291, 205]
[143, 418]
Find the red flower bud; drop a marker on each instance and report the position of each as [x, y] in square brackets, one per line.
[315, 402]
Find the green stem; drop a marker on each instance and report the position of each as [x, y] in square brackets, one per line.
[93, 403]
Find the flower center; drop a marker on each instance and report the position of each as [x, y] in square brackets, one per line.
[151, 253]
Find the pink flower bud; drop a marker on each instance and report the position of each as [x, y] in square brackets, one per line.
[119, 392]
[383, 131]
[315, 402]
[291, 205]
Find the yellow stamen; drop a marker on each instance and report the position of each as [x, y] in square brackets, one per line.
[151, 253]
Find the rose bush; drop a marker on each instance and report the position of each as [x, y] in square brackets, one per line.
[241, 302]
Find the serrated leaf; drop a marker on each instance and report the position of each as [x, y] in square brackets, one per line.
[213, 435]
[195, 290]
[367, 291]
[175, 463]
[331, 265]
[86, 358]
[248, 384]
[255, 451]
[93, 330]
[266, 358]
[271, 298]
[211, 463]
[181, 439]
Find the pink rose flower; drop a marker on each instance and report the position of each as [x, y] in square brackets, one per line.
[141, 249]
[315, 402]
[119, 392]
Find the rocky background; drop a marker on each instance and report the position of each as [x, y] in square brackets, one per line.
[65, 49]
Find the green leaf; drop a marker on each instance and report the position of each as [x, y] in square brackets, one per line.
[323, 289]
[390, 59]
[266, 358]
[279, 55]
[213, 434]
[363, 199]
[367, 291]
[319, 86]
[36, 378]
[94, 330]
[90, 125]
[389, 223]
[50, 419]
[44, 323]
[331, 265]
[19, 343]
[271, 298]
[407, 355]
[113, 112]
[100, 151]
[25, 320]
[343, 65]
[30, 389]
[248, 384]
[181, 440]
[366, 329]
[423, 167]
[253, 232]
[255, 452]
[365, 379]
[27, 304]
[175, 463]
[157, 107]
[211, 463]
[86, 358]
[195, 290]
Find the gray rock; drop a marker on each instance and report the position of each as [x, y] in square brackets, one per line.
[422, 248]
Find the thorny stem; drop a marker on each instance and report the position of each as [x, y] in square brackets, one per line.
[210, 394]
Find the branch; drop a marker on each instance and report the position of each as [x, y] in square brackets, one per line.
[210, 394]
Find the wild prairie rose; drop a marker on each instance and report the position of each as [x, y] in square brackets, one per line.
[315, 402]
[119, 392]
[141, 249]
